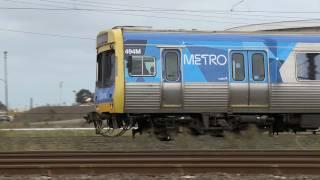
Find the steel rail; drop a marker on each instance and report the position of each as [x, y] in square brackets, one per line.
[154, 162]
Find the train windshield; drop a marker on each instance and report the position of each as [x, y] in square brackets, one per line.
[105, 69]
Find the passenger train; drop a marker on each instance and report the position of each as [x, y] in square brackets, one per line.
[206, 81]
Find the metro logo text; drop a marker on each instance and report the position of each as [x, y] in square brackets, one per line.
[205, 59]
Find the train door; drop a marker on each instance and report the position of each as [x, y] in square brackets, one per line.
[249, 79]
[171, 78]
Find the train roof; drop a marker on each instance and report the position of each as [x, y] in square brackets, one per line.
[148, 29]
[135, 35]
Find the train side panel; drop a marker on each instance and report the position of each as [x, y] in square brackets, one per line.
[208, 82]
[203, 86]
[205, 76]
[290, 94]
[142, 92]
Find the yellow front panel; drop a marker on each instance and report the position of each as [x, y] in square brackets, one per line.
[104, 107]
[115, 41]
[118, 96]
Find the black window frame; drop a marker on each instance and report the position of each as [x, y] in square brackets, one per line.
[130, 64]
[234, 75]
[301, 79]
[99, 69]
[106, 78]
[178, 53]
[252, 66]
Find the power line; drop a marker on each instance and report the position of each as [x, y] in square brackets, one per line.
[49, 9]
[188, 10]
[124, 10]
[215, 11]
[150, 9]
[118, 10]
[28, 3]
[235, 5]
[47, 34]
[148, 16]
[281, 12]
[112, 9]
[102, 10]
[153, 10]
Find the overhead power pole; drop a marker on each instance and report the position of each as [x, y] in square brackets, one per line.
[6, 80]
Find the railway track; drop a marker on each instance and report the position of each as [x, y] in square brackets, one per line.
[155, 162]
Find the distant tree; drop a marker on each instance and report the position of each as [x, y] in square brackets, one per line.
[3, 107]
[84, 96]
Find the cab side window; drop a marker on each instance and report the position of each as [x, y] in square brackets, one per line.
[141, 66]
[105, 69]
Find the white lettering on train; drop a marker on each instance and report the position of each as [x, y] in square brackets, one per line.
[206, 59]
[133, 51]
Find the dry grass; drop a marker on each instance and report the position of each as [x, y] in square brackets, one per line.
[53, 113]
[13, 125]
[49, 134]
[88, 140]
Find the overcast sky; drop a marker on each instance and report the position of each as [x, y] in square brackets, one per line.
[38, 63]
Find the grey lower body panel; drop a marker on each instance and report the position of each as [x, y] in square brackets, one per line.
[206, 97]
[145, 97]
[214, 97]
[197, 97]
[295, 98]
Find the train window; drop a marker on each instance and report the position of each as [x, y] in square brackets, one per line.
[149, 66]
[99, 68]
[105, 69]
[136, 66]
[238, 71]
[108, 70]
[308, 66]
[142, 66]
[258, 73]
[172, 66]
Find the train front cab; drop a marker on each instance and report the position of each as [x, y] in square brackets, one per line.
[109, 90]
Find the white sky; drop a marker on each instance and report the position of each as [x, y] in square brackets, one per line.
[38, 63]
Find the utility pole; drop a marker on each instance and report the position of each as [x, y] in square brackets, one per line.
[60, 92]
[6, 80]
[31, 103]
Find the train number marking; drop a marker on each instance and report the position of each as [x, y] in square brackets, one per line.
[133, 51]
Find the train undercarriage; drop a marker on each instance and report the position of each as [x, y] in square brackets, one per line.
[166, 126]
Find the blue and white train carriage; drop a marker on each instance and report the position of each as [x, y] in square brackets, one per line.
[206, 81]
